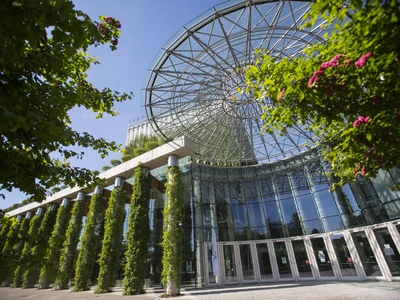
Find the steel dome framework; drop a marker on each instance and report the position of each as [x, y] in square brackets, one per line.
[192, 88]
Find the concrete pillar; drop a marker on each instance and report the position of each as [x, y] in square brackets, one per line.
[65, 202]
[53, 207]
[40, 211]
[119, 182]
[146, 171]
[19, 218]
[81, 196]
[173, 160]
[98, 190]
[28, 215]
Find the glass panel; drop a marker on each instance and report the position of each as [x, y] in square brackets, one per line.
[236, 192]
[380, 182]
[366, 254]
[256, 215]
[333, 223]
[303, 263]
[264, 261]
[300, 183]
[222, 193]
[259, 233]
[313, 227]
[242, 234]
[326, 204]
[283, 261]
[267, 187]
[211, 277]
[289, 210]
[229, 264]
[225, 235]
[240, 217]
[389, 250]
[307, 207]
[343, 255]
[272, 212]
[224, 216]
[250, 190]
[247, 262]
[321, 255]
[283, 187]
[276, 231]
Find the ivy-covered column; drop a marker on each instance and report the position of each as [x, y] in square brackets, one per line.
[69, 247]
[138, 234]
[52, 259]
[90, 240]
[4, 231]
[112, 242]
[26, 258]
[8, 253]
[38, 252]
[172, 233]
[23, 238]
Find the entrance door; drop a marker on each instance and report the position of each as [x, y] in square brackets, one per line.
[264, 262]
[389, 250]
[246, 263]
[282, 260]
[343, 256]
[302, 259]
[229, 264]
[366, 254]
[322, 258]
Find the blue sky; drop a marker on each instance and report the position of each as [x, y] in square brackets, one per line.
[146, 26]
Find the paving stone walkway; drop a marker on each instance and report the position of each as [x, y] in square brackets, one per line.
[270, 291]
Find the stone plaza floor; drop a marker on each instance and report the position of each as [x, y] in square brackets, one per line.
[372, 290]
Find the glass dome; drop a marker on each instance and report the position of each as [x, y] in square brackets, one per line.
[193, 85]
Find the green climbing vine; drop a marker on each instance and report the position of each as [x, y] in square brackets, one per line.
[112, 242]
[8, 253]
[23, 238]
[172, 243]
[69, 249]
[89, 243]
[38, 251]
[138, 234]
[6, 225]
[25, 259]
[52, 259]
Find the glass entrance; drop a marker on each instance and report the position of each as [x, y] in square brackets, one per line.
[282, 260]
[264, 262]
[302, 260]
[389, 250]
[366, 254]
[343, 256]
[246, 260]
[322, 258]
[229, 261]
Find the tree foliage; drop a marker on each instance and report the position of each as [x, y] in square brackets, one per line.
[112, 242]
[140, 145]
[346, 90]
[138, 234]
[52, 259]
[43, 75]
[69, 248]
[89, 243]
[172, 243]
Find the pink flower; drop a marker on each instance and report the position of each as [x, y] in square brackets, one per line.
[108, 20]
[117, 24]
[362, 60]
[314, 78]
[361, 121]
[282, 95]
[363, 171]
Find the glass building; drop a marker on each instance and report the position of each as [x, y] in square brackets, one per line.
[264, 195]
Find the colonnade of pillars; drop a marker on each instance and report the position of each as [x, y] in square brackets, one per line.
[52, 250]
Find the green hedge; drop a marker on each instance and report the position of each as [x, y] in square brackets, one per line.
[112, 242]
[138, 234]
[89, 243]
[172, 243]
[26, 258]
[69, 249]
[8, 254]
[51, 263]
[38, 251]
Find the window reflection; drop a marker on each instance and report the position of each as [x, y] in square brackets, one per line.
[326, 204]
[256, 215]
[307, 207]
[272, 212]
[333, 223]
[240, 218]
[289, 210]
[313, 227]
